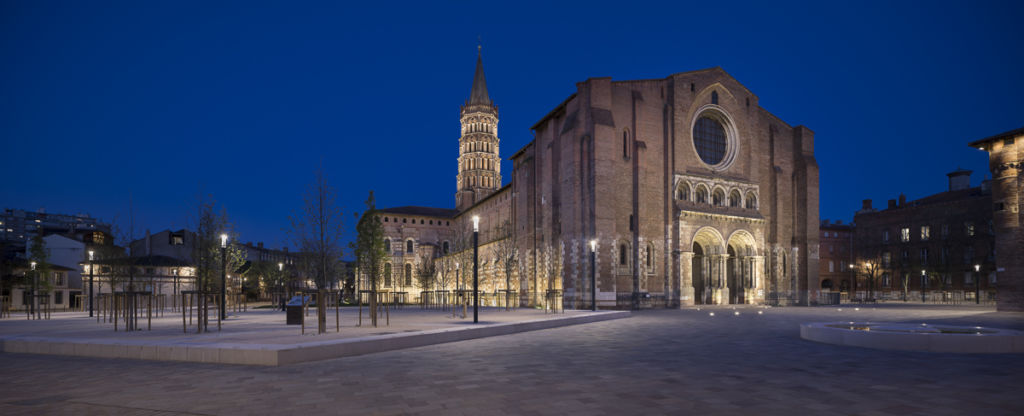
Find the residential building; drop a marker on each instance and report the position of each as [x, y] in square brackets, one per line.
[932, 243]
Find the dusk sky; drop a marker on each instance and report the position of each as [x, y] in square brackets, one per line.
[105, 101]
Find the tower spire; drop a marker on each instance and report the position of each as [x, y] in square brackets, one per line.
[478, 95]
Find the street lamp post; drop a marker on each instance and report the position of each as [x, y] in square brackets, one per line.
[223, 275]
[977, 284]
[853, 282]
[280, 283]
[593, 276]
[924, 284]
[35, 292]
[871, 280]
[476, 279]
[90, 282]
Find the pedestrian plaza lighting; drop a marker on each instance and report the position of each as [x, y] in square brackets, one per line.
[35, 287]
[476, 280]
[593, 275]
[280, 267]
[90, 281]
[924, 283]
[977, 284]
[223, 275]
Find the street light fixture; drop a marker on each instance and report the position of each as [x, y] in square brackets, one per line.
[476, 280]
[90, 281]
[35, 291]
[223, 275]
[924, 284]
[593, 275]
[977, 284]
[871, 279]
[853, 282]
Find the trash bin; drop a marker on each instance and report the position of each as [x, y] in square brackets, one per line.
[294, 310]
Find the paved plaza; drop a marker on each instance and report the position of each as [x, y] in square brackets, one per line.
[655, 362]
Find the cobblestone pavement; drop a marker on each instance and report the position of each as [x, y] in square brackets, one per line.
[656, 362]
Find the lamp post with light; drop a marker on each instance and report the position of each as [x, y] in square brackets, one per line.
[476, 279]
[593, 275]
[90, 281]
[35, 291]
[924, 284]
[223, 275]
[977, 284]
[853, 282]
[280, 283]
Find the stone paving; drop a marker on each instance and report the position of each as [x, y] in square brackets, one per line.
[656, 362]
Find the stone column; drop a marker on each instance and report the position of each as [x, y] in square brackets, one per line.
[723, 287]
[686, 279]
[758, 282]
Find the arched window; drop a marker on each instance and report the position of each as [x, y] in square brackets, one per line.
[751, 200]
[714, 97]
[408, 246]
[387, 274]
[387, 245]
[734, 198]
[701, 195]
[622, 255]
[683, 192]
[625, 144]
[718, 198]
[408, 274]
[444, 247]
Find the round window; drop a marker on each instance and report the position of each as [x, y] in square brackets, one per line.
[710, 140]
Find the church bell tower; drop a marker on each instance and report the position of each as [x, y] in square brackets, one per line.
[479, 164]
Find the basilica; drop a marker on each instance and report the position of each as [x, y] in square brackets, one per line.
[687, 191]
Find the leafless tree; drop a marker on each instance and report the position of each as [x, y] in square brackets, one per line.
[507, 254]
[317, 231]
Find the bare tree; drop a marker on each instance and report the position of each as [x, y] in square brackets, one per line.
[446, 271]
[317, 230]
[553, 267]
[507, 254]
[210, 223]
[870, 267]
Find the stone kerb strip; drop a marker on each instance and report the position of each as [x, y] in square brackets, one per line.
[912, 337]
[275, 354]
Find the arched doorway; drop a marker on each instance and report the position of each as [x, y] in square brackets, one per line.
[708, 267]
[741, 269]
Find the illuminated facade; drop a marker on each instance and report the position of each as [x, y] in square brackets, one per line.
[693, 192]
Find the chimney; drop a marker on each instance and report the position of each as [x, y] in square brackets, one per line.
[149, 242]
[259, 244]
[839, 222]
[903, 200]
[892, 204]
[865, 204]
[284, 249]
[825, 222]
[959, 179]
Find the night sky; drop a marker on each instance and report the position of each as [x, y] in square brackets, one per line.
[102, 102]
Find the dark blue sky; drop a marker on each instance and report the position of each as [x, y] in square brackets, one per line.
[102, 100]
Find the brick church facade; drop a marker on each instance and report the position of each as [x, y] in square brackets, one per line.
[692, 192]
